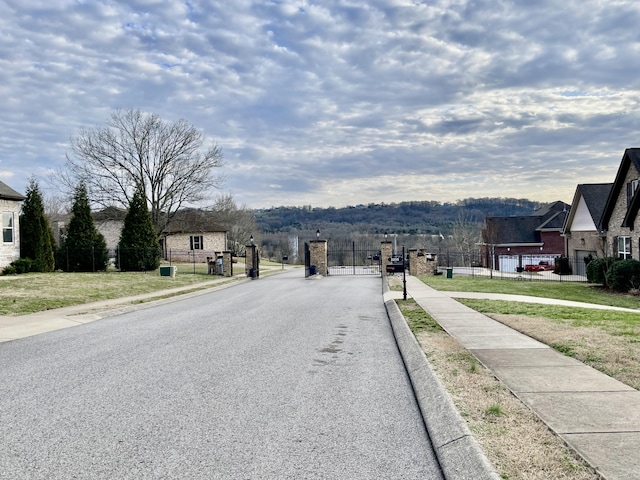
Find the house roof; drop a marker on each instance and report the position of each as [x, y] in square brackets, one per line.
[553, 222]
[193, 221]
[9, 193]
[526, 229]
[514, 229]
[630, 158]
[595, 197]
[550, 209]
[110, 213]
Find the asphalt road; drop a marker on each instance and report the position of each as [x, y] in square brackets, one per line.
[277, 378]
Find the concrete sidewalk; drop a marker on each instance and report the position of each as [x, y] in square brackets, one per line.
[598, 416]
[539, 300]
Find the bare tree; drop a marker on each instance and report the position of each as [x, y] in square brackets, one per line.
[466, 234]
[491, 233]
[238, 221]
[167, 159]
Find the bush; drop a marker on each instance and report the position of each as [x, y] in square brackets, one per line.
[562, 266]
[624, 275]
[597, 270]
[9, 270]
[22, 265]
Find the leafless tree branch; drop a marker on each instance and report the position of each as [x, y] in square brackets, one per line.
[134, 147]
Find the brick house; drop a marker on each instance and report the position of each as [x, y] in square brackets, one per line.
[10, 207]
[510, 243]
[583, 237]
[108, 222]
[192, 235]
[620, 220]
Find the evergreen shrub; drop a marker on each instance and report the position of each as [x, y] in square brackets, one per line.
[624, 275]
[597, 270]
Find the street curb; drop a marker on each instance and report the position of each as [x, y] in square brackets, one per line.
[458, 453]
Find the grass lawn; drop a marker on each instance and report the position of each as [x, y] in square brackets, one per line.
[577, 292]
[608, 340]
[34, 292]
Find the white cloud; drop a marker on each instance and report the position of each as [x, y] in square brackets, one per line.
[343, 102]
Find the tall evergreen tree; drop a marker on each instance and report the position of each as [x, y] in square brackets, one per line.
[35, 233]
[84, 248]
[139, 249]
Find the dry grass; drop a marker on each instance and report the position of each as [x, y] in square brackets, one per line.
[517, 443]
[613, 353]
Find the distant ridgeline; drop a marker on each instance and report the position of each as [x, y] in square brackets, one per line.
[424, 217]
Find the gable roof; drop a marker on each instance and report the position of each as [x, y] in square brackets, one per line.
[551, 209]
[553, 222]
[110, 213]
[631, 157]
[514, 230]
[594, 196]
[632, 211]
[191, 220]
[8, 193]
[521, 230]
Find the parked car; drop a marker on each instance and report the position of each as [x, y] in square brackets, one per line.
[540, 267]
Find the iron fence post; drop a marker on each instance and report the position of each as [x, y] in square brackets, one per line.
[404, 277]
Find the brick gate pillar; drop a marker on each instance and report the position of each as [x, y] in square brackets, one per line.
[318, 256]
[227, 264]
[252, 262]
[417, 262]
[386, 251]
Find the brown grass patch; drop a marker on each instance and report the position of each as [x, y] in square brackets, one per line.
[608, 350]
[514, 439]
[517, 443]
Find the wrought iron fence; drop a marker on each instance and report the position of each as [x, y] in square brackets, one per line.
[90, 260]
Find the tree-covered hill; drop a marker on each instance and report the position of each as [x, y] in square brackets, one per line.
[427, 217]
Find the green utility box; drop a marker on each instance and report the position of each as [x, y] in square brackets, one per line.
[168, 271]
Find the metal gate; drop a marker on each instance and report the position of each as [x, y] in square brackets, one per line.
[307, 260]
[346, 257]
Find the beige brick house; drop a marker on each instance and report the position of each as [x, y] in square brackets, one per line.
[10, 207]
[620, 223]
[193, 235]
[581, 228]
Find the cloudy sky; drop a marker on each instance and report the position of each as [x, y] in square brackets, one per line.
[336, 102]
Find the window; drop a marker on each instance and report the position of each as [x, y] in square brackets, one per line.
[632, 186]
[624, 248]
[7, 227]
[196, 242]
